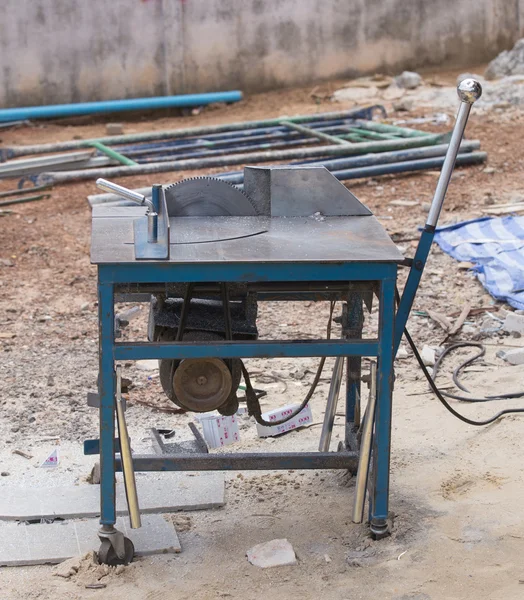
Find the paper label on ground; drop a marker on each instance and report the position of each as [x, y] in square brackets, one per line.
[303, 419]
[52, 460]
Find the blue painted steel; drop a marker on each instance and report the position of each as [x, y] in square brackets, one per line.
[412, 283]
[382, 436]
[355, 324]
[107, 389]
[259, 349]
[152, 272]
[92, 447]
[106, 106]
[155, 197]
[145, 272]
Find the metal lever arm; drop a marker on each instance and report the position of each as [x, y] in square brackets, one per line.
[109, 186]
[152, 215]
[468, 91]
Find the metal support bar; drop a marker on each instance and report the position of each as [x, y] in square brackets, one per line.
[107, 389]
[331, 406]
[382, 437]
[248, 461]
[245, 349]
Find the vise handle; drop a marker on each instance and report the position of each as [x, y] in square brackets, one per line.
[152, 215]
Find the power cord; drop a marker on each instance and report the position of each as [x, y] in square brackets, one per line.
[446, 404]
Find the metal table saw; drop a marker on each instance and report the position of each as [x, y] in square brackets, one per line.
[205, 254]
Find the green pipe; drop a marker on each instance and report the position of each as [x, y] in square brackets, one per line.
[399, 131]
[313, 133]
[374, 135]
[112, 153]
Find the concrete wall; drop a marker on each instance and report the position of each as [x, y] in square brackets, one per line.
[55, 51]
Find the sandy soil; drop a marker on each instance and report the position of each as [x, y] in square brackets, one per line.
[455, 490]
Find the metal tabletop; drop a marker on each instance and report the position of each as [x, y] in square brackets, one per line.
[208, 240]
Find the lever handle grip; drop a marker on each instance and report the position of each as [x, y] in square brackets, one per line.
[469, 91]
[109, 186]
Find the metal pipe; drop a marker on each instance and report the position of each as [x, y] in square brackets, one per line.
[112, 153]
[408, 166]
[312, 133]
[16, 168]
[109, 106]
[331, 406]
[383, 128]
[333, 165]
[214, 140]
[235, 159]
[126, 456]
[365, 449]
[469, 91]
[362, 113]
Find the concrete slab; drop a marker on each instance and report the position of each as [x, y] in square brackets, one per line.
[157, 493]
[53, 543]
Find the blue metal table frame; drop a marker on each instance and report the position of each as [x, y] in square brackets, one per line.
[382, 274]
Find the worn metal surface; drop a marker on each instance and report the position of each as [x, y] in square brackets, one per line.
[245, 461]
[291, 240]
[300, 192]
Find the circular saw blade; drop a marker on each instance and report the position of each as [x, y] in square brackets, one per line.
[207, 197]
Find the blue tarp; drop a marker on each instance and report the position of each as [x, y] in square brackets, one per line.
[496, 247]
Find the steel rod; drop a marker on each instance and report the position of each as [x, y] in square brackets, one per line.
[22, 191]
[127, 458]
[25, 199]
[245, 461]
[331, 406]
[365, 449]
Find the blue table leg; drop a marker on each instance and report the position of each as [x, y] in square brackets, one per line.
[382, 438]
[107, 403]
[355, 322]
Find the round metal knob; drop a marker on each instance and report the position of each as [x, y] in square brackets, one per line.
[469, 90]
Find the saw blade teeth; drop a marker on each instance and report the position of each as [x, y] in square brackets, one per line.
[170, 189]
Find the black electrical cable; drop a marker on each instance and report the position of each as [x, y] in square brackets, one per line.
[463, 365]
[253, 404]
[439, 395]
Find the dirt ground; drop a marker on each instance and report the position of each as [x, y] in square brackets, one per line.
[456, 490]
